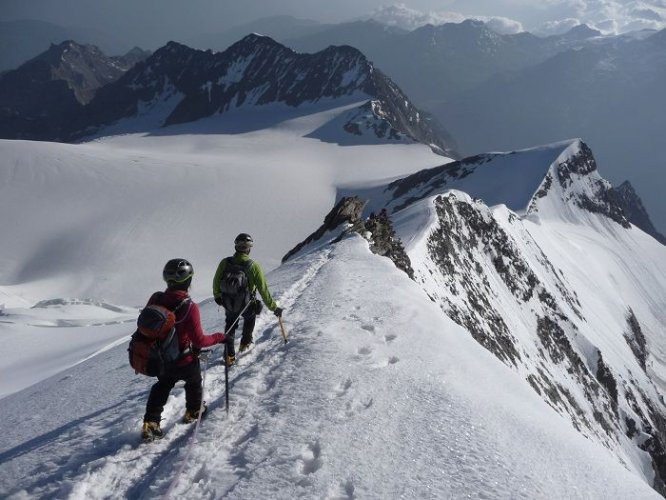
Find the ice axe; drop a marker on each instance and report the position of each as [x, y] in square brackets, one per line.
[284, 333]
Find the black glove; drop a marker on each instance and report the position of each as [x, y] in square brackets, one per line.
[278, 312]
[258, 306]
[218, 301]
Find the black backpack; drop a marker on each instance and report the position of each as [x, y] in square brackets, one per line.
[235, 285]
[154, 346]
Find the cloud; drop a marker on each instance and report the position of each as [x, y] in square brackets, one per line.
[557, 27]
[609, 16]
[410, 19]
[647, 14]
[403, 17]
[502, 25]
[542, 16]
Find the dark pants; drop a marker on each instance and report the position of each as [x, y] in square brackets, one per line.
[249, 317]
[159, 393]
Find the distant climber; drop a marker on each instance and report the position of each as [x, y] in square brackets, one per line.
[235, 284]
[191, 339]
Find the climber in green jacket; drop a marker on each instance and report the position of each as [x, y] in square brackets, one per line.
[235, 285]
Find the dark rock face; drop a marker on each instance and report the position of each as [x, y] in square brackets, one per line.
[636, 338]
[46, 95]
[626, 197]
[257, 71]
[383, 241]
[451, 248]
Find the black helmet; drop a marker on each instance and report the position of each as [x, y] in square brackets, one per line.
[243, 243]
[177, 271]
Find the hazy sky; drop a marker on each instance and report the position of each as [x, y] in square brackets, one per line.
[160, 20]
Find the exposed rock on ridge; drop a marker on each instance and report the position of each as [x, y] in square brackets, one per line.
[626, 197]
[345, 218]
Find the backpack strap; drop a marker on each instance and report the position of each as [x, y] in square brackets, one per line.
[188, 301]
[246, 269]
[183, 302]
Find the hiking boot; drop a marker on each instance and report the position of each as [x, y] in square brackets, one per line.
[151, 431]
[245, 347]
[193, 415]
[231, 360]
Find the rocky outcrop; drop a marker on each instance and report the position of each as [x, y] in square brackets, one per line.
[632, 206]
[378, 230]
[345, 218]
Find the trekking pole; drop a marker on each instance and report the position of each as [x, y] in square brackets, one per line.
[284, 333]
[226, 365]
[226, 379]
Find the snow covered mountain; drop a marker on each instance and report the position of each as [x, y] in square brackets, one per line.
[524, 358]
[41, 99]
[179, 85]
[533, 255]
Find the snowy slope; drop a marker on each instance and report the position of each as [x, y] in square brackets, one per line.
[359, 404]
[554, 281]
[525, 361]
[100, 219]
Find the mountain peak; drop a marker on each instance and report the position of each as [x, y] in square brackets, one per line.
[43, 97]
[256, 41]
[581, 32]
[57, 54]
[171, 49]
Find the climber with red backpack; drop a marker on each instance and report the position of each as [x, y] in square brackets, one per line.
[237, 280]
[184, 364]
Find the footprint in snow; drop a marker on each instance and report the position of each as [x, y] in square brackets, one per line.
[368, 328]
[345, 491]
[343, 388]
[365, 350]
[390, 338]
[311, 458]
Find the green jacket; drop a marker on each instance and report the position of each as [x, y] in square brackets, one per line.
[256, 279]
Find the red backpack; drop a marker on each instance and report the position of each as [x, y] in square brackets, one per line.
[154, 346]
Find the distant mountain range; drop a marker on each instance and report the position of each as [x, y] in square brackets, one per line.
[506, 92]
[178, 84]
